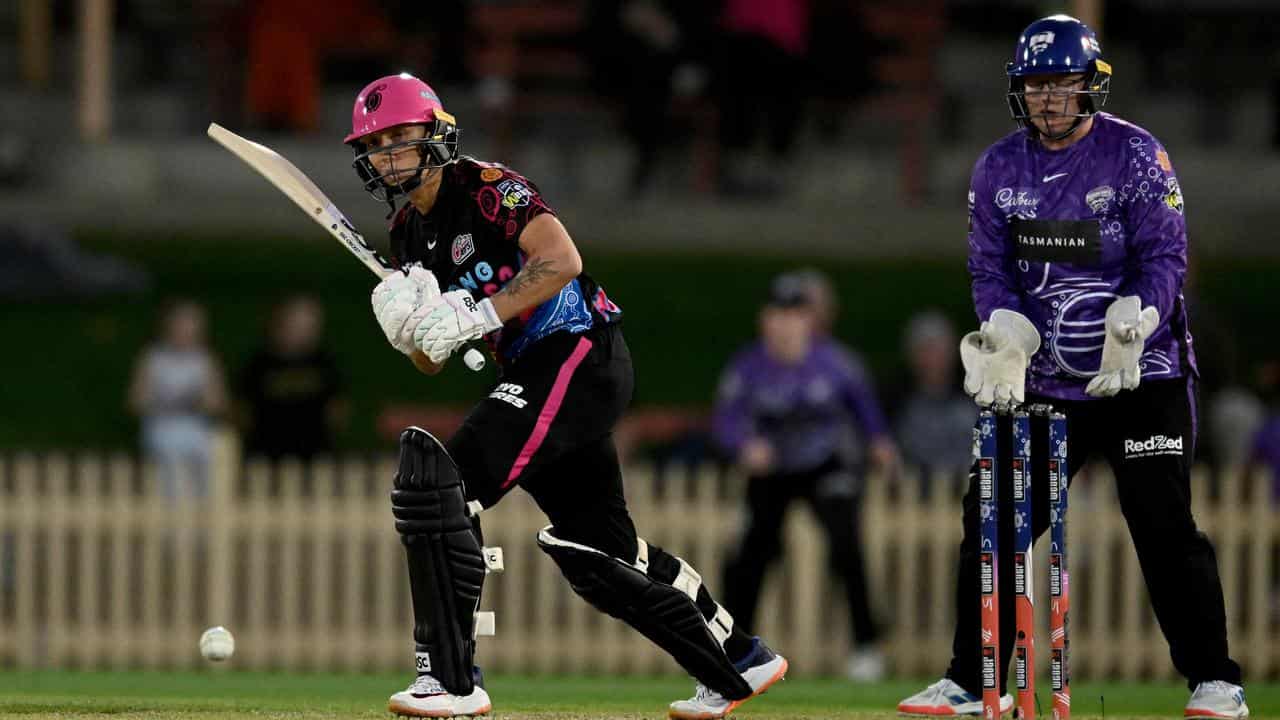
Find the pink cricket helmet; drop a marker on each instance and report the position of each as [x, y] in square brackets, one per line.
[395, 100]
[400, 100]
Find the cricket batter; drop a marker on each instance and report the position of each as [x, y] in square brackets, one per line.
[1077, 250]
[513, 277]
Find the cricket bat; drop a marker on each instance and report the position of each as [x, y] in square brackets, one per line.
[306, 195]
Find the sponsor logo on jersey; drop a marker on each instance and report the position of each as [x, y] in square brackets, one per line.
[483, 278]
[1099, 198]
[514, 193]
[1071, 241]
[509, 393]
[1152, 446]
[463, 248]
[490, 174]
[1021, 203]
[1174, 199]
[1162, 158]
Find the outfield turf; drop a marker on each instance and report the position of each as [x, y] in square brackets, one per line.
[236, 695]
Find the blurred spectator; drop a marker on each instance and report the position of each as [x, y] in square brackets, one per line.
[796, 410]
[178, 390]
[642, 52]
[1264, 453]
[759, 87]
[934, 419]
[291, 387]
[822, 297]
[1232, 418]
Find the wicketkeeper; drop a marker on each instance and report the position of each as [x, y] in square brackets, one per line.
[512, 276]
[1077, 250]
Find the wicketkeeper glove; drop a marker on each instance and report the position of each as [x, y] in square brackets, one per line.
[1128, 326]
[996, 357]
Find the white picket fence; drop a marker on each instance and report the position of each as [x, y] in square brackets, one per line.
[99, 570]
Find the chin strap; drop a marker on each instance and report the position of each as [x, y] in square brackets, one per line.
[1070, 131]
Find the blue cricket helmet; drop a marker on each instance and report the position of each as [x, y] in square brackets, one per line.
[1059, 45]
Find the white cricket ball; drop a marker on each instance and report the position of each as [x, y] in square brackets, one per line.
[217, 644]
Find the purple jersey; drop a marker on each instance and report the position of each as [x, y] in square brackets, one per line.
[809, 412]
[1057, 235]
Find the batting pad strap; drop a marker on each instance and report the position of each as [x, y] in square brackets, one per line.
[687, 580]
[486, 624]
[642, 555]
[493, 560]
[721, 624]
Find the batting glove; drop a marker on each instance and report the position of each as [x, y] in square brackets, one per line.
[398, 303]
[454, 319]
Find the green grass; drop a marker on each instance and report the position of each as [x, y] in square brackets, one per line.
[236, 695]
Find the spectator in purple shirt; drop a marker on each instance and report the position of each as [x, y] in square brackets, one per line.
[797, 412]
[933, 420]
[1266, 451]
[1264, 446]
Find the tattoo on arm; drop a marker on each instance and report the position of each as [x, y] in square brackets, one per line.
[533, 273]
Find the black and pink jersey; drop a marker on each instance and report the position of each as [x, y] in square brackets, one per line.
[470, 240]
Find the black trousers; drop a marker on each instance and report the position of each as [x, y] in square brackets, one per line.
[832, 492]
[547, 427]
[1154, 489]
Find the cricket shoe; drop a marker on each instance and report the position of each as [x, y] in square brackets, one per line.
[426, 697]
[761, 668]
[1217, 699]
[945, 697]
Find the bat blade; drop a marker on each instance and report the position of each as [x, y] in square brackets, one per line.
[299, 188]
[306, 195]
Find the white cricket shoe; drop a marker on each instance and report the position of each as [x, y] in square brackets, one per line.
[761, 668]
[865, 666]
[1217, 699]
[945, 697]
[426, 697]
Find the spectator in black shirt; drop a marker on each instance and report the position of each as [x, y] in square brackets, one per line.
[291, 388]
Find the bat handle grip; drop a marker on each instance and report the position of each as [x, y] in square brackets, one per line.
[474, 359]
